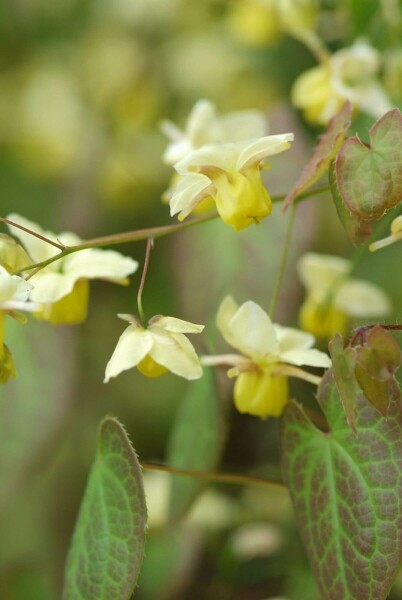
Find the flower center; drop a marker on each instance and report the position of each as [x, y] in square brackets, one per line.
[71, 309]
[150, 368]
[241, 198]
[261, 393]
[323, 322]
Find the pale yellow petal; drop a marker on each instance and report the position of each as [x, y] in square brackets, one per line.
[290, 338]
[310, 357]
[175, 352]
[359, 298]
[226, 312]
[254, 151]
[318, 272]
[174, 325]
[190, 191]
[94, 263]
[251, 331]
[13, 287]
[50, 286]
[134, 344]
[243, 125]
[220, 155]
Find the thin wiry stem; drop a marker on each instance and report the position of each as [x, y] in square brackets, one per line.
[134, 236]
[150, 243]
[57, 245]
[229, 478]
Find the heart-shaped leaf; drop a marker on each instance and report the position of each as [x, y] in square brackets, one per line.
[108, 542]
[346, 492]
[369, 177]
[327, 148]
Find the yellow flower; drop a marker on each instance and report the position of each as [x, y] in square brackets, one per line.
[62, 288]
[349, 74]
[159, 348]
[230, 174]
[270, 353]
[204, 126]
[14, 293]
[396, 235]
[333, 299]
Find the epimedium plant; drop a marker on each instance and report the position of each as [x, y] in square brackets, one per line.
[344, 479]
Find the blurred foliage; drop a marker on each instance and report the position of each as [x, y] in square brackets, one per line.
[83, 86]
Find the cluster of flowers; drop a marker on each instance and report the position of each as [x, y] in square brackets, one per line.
[209, 164]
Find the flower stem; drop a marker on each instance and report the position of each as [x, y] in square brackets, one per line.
[284, 259]
[133, 236]
[57, 245]
[150, 244]
[229, 478]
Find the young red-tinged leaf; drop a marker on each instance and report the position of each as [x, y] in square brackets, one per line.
[196, 442]
[369, 177]
[344, 364]
[327, 148]
[346, 492]
[376, 392]
[359, 231]
[380, 356]
[108, 542]
[376, 362]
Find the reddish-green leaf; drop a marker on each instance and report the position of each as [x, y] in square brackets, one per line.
[359, 231]
[327, 148]
[346, 492]
[369, 177]
[380, 356]
[376, 362]
[344, 364]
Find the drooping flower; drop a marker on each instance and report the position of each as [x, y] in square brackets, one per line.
[62, 288]
[270, 354]
[396, 235]
[154, 350]
[14, 293]
[349, 74]
[204, 126]
[333, 298]
[230, 174]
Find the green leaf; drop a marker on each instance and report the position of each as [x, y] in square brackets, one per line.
[344, 364]
[196, 442]
[359, 231]
[346, 492]
[108, 542]
[369, 177]
[327, 148]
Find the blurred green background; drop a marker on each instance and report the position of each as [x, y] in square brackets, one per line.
[83, 87]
